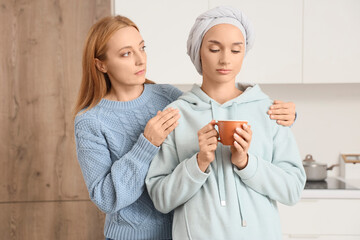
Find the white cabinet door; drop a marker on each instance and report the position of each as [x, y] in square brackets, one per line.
[331, 41]
[165, 26]
[276, 56]
[321, 217]
[320, 237]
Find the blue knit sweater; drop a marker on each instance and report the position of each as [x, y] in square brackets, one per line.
[114, 157]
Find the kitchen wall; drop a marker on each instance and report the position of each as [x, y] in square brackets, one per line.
[42, 193]
[328, 122]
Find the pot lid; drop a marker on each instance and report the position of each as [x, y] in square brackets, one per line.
[309, 161]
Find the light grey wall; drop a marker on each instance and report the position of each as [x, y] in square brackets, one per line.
[328, 122]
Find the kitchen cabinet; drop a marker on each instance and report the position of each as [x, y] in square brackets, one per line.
[164, 25]
[331, 41]
[296, 41]
[318, 237]
[321, 219]
[276, 56]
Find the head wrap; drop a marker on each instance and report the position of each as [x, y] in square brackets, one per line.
[210, 18]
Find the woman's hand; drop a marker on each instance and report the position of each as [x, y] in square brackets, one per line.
[283, 112]
[239, 152]
[208, 144]
[159, 127]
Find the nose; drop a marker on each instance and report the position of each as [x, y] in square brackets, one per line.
[140, 58]
[224, 58]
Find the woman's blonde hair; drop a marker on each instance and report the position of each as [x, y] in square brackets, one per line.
[94, 83]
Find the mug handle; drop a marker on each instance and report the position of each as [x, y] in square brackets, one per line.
[217, 124]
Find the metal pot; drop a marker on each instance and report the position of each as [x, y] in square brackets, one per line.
[315, 171]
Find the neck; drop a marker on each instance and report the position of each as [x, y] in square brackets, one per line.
[124, 93]
[221, 92]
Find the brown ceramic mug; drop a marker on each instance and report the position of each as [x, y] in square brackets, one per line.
[227, 128]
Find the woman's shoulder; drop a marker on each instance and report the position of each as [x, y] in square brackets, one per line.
[166, 90]
[86, 119]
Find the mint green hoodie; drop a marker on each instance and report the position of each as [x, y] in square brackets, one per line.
[225, 202]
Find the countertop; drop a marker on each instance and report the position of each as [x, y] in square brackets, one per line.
[345, 189]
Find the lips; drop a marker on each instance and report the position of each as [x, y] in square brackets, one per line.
[223, 71]
[141, 72]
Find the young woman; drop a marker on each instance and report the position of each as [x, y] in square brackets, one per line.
[120, 125]
[217, 191]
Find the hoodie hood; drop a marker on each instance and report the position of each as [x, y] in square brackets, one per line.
[200, 101]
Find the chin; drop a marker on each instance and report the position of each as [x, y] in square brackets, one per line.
[140, 80]
[224, 79]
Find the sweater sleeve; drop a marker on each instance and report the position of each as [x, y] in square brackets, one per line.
[168, 91]
[175, 93]
[281, 179]
[170, 183]
[112, 185]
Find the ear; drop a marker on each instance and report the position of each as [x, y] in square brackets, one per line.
[100, 65]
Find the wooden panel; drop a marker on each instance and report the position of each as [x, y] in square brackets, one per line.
[51, 220]
[40, 71]
[39, 78]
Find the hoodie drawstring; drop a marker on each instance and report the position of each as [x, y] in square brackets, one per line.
[236, 177]
[237, 184]
[219, 163]
[220, 172]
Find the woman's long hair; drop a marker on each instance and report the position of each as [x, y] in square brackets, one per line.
[95, 84]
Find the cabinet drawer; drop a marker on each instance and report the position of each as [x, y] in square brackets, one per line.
[320, 237]
[321, 217]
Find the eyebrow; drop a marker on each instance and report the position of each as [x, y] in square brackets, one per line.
[217, 42]
[142, 41]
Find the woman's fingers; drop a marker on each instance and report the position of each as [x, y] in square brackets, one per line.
[280, 104]
[289, 106]
[285, 123]
[159, 115]
[284, 113]
[212, 147]
[283, 117]
[212, 140]
[208, 138]
[170, 121]
[238, 147]
[167, 114]
[281, 111]
[171, 128]
[240, 141]
[243, 138]
[208, 127]
[210, 134]
[245, 133]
